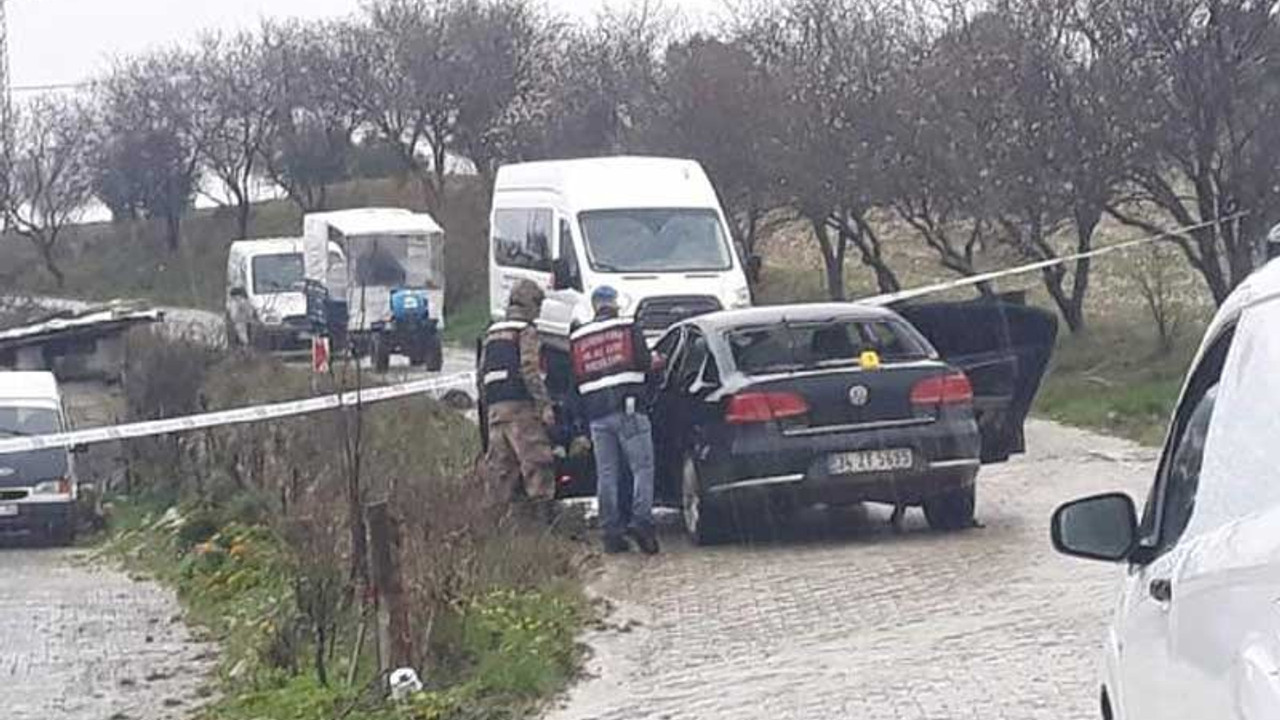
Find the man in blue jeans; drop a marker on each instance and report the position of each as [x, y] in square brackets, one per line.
[611, 362]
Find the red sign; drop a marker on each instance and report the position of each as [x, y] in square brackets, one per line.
[319, 354]
[602, 353]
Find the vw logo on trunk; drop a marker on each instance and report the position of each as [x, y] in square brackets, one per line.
[858, 395]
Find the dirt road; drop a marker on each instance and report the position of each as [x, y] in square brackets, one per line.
[834, 616]
[79, 642]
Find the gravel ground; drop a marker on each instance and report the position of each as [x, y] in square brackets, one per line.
[80, 642]
[835, 616]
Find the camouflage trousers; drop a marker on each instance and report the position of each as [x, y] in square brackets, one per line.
[519, 448]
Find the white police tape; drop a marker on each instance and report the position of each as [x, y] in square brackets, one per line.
[912, 293]
[235, 416]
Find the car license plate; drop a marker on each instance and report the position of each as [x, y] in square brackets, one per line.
[869, 461]
[8, 510]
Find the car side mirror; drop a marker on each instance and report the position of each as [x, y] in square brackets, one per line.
[755, 264]
[1101, 527]
[237, 292]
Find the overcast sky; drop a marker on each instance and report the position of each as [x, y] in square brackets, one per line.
[67, 41]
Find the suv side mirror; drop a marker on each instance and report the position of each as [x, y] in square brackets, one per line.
[237, 292]
[1101, 527]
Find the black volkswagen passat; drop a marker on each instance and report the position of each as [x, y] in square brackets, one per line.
[806, 404]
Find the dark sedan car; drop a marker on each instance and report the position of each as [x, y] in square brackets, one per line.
[833, 403]
[805, 404]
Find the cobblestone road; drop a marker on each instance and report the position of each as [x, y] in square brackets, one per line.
[836, 617]
[79, 643]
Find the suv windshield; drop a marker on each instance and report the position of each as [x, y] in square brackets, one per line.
[277, 273]
[655, 240]
[774, 348]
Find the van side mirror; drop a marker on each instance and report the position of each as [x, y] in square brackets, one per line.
[237, 292]
[1101, 527]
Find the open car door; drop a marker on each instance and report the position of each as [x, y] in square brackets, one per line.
[1004, 347]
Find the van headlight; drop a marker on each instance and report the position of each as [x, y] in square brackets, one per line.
[741, 298]
[52, 487]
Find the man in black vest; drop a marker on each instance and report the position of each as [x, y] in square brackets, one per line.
[518, 407]
[611, 362]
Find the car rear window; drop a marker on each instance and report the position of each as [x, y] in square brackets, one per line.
[789, 346]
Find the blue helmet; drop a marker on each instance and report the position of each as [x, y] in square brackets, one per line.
[604, 296]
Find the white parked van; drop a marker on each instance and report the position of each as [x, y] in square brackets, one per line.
[1196, 629]
[650, 227]
[37, 487]
[265, 304]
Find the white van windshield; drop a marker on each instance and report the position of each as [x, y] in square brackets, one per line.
[277, 273]
[655, 240]
[27, 421]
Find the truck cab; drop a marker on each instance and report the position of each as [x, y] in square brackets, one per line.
[650, 227]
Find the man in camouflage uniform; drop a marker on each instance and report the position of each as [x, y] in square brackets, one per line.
[517, 405]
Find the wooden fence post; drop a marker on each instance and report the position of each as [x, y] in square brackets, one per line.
[395, 636]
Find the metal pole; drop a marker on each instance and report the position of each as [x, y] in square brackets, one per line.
[6, 118]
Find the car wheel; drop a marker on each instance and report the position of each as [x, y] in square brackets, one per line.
[61, 534]
[952, 511]
[232, 335]
[435, 354]
[381, 354]
[702, 519]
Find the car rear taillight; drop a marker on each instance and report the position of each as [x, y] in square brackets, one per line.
[758, 407]
[950, 389]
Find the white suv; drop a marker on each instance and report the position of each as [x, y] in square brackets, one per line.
[1196, 633]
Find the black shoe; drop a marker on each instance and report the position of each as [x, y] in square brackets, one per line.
[645, 539]
[615, 544]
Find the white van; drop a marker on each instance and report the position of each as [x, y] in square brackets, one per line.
[37, 487]
[265, 304]
[650, 227]
[1196, 628]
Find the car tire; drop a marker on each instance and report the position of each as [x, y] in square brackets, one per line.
[381, 354]
[703, 520]
[435, 354]
[232, 336]
[952, 511]
[61, 534]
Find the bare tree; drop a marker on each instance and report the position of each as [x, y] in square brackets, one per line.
[397, 77]
[1153, 273]
[149, 144]
[310, 144]
[720, 107]
[835, 60]
[937, 177]
[236, 112]
[604, 85]
[498, 50]
[1201, 96]
[52, 179]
